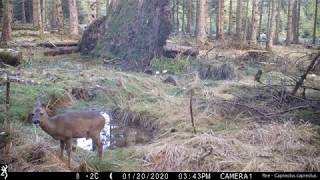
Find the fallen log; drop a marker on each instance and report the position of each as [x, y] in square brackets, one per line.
[10, 56]
[61, 51]
[46, 44]
[172, 50]
[58, 44]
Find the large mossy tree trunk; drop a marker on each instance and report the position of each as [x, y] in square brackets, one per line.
[134, 31]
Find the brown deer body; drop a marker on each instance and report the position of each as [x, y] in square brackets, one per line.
[65, 127]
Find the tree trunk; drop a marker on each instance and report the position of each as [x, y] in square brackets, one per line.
[1, 10]
[239, 20]
[92, 15]
[220, 20]
[189, 15]
[315, 23]
[289, 26]
[269, 16]
[254, 18]
[260, 19]
[73, 18]
[296, 21]
[58, 16]
[130, 38]
[28, 7]
[23, 12]
[278, 16]
[230, 19]
[43, 16]
[272, 25]
[177, 21]
[183, 14]
[201, 24]
[36, 14]
[246, 21]
[173, 10]
[6, 28]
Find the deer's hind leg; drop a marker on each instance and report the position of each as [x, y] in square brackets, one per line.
[62, 146]
[97, 141]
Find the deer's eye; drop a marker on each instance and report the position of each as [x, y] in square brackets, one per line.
[32, 114]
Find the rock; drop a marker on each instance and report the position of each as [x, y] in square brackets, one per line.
[170, 80]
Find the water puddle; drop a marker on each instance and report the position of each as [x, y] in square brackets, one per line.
[121, 129]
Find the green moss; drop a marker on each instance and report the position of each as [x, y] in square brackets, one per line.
[175, 65]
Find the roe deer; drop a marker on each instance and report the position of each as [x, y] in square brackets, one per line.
[64, 127]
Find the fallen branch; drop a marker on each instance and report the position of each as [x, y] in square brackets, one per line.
[249, 107]
[288, 110]
[303, 77]
[191, 113]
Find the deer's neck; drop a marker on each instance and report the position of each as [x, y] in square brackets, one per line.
[48, 126]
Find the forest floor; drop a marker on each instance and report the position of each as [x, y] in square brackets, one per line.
[240, 123]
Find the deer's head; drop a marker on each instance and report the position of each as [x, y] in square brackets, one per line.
[39, 113]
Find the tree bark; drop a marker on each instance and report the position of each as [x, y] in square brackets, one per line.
[92, 15]
[315, 23]
[1, 10]
[58, 16]
[220, 20]
[230, 19]
[6, 28]
[73, 18]
[260, 19]
[177, 21]
[269, 16]
[239, 19]
[254, 18]
[36, 14]
[296, 21]
[43, 16]
[246, 21]
[272, 25]
[189, 15]
[201, 24]
[23, 12]
[173, 12]
[289, 25]
[278, 16]
[183, 14]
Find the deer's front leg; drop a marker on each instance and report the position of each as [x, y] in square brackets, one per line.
[68, 149]
[62, 146]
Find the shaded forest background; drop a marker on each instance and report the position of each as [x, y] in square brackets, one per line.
[184, 15]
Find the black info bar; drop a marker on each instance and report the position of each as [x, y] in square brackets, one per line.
[157, 175]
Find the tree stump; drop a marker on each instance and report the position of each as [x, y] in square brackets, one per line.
[10, 56]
